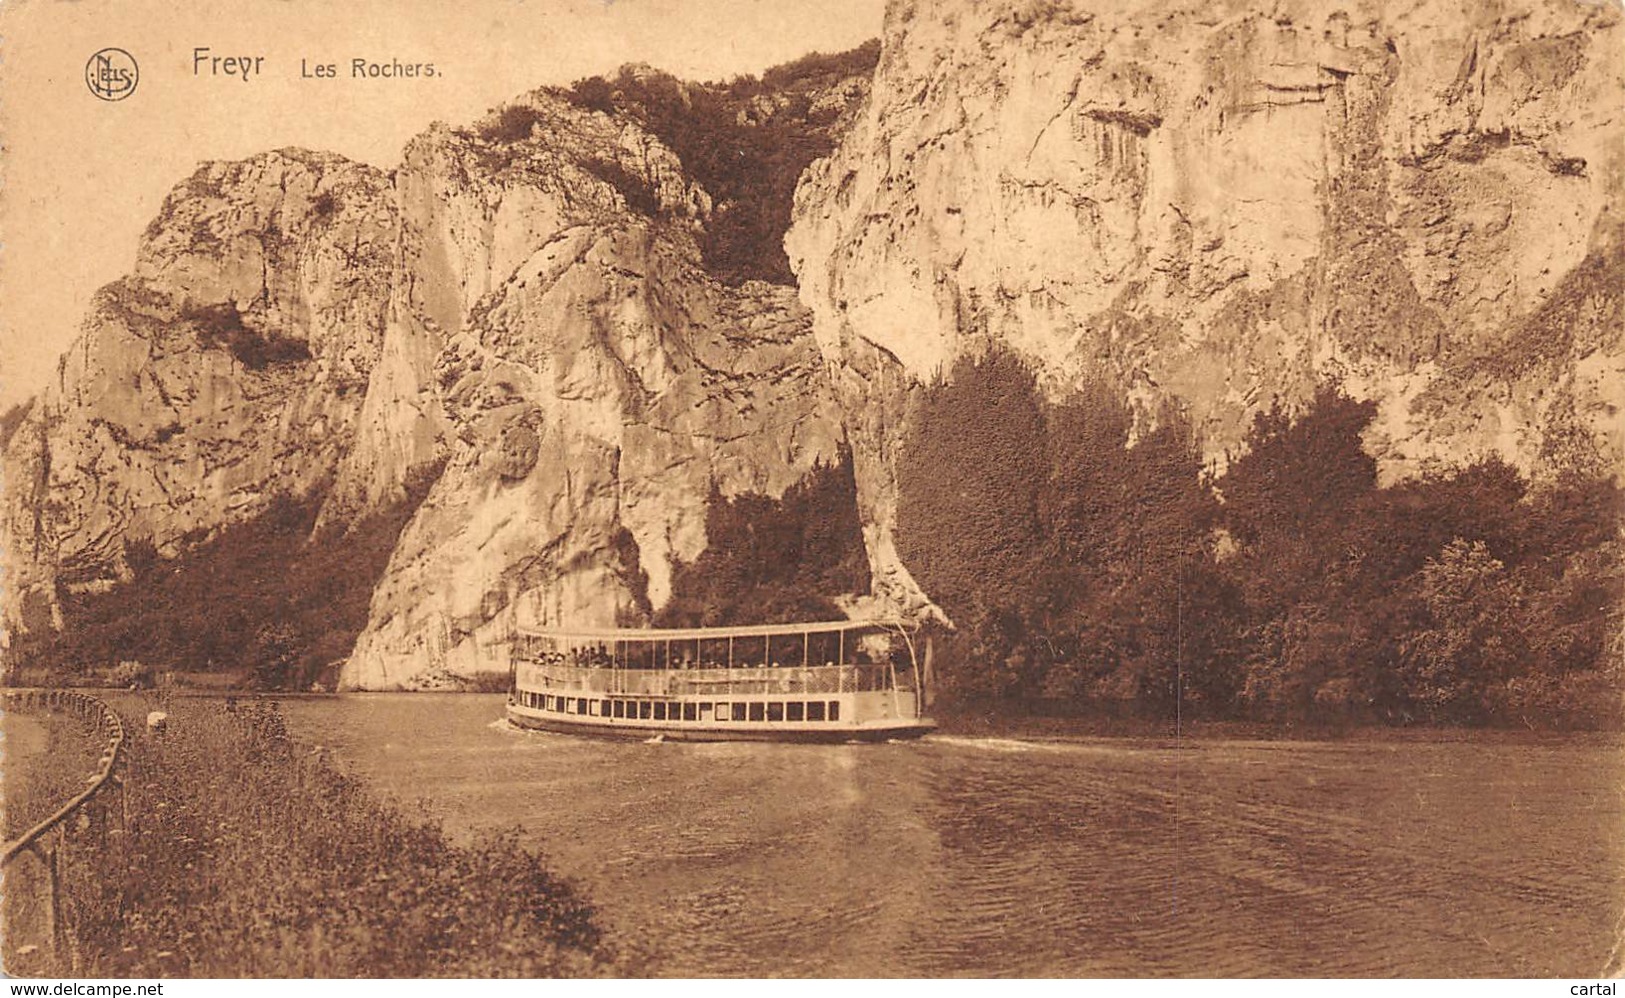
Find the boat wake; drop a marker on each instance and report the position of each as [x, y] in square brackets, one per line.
[507, 727]
[1010, 746]
[986, 744]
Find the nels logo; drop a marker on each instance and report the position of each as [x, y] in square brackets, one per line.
[112, 74]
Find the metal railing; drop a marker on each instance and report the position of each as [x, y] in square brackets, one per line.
[47, 840]
[791, 680]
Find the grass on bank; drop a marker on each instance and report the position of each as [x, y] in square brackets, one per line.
[248, 855]
[48, 757]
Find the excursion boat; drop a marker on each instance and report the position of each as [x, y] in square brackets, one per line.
[833, 681]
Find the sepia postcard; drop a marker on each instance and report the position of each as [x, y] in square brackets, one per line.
[854, 489]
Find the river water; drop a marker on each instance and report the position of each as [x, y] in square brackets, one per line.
[988, 857]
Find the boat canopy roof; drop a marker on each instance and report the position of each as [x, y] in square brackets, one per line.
[704, 633]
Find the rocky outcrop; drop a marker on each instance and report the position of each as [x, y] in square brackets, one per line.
[1219, 205]
[231, 365]
[1209, 205]
[520, 308]
[600, 388]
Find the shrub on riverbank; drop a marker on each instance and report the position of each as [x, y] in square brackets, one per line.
[249, 855]
[1094, 566]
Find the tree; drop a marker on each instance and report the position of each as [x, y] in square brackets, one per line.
[274, 655]
[969, 476]
[770, 560]
[1471, 636]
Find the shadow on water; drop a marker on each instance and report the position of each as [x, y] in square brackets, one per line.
[1004, 856]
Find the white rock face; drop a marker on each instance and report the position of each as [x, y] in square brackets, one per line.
[155, 429]
[1200, 202]
[598, 390]
[1219, 205]
[526, 312]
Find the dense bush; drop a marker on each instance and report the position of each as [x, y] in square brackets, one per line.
[250, 856]
[512, 124]
[632, 188]
[266, 598]
[222, 327]
[1083, 570]
[746, 142]
[11, 419]
[774, 560]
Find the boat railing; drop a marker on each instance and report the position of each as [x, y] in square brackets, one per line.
[792, 680]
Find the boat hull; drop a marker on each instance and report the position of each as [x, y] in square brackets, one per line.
[688, 732]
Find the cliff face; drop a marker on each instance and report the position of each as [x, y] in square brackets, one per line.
[1217, 207]
[232, 364]
[1207, 206]
[598, 386]
[520, 309]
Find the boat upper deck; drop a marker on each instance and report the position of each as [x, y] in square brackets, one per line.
[844, 656]
[790, 680]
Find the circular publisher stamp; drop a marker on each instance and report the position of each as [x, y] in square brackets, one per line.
[112, 74]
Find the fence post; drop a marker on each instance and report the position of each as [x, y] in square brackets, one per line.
[53, 914]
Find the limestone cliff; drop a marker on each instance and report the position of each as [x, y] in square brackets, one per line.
[232, 364]
[522, 303]
[555, 313]
[1219, 204]
[599, 385]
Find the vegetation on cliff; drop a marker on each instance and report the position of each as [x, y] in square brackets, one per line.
[222, 327]
[1083, 570]
[774, 560]
[745, 141]
[272, 600]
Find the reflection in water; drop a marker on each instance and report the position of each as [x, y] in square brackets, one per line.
[962, 856]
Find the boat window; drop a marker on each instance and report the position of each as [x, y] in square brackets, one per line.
[705, 712]
[757, 711]
[739, 712]
[786, 649]
[620, 708]
[824, 646]
[690, 711]
[660, 711]
[646, 710]
[815, 710]
[835, 710]
[796, 711]
[722, 712]
[775, 711]
[709, 653]
[592, 708]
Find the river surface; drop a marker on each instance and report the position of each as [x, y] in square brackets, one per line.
[988, 857]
